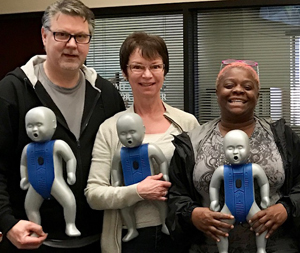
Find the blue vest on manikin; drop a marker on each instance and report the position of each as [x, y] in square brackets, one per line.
[239, 192]
[40, 167]
[135, 164]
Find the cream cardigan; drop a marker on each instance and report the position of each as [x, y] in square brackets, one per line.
[99, 192]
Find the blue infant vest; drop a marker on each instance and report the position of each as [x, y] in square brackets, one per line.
[40, 167]
[239, 196]
[135, 164]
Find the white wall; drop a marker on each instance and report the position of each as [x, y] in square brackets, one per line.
[22, 6]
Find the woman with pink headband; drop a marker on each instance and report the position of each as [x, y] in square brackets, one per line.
[273, 146]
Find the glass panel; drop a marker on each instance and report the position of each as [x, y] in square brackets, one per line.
[264, 35]
[295, 81]
[110, 34]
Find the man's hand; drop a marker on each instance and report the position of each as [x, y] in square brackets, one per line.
[20, 235]
[211, 223]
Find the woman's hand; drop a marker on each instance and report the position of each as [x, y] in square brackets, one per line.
[153, 188]
[269, 219]
[211, 223]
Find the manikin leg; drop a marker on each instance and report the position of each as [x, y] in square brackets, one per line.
[129, 220]
[62, 193]
[261, 240]
[33, 202]
[162, 208]
[223, 243]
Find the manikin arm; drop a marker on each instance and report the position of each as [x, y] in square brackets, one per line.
[263, 183]
[116, 170]
[214, 188]
[66, 153]
[24, 183]
[156, 153]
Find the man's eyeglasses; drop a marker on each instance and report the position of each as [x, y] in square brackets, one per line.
[139, 68]
[66, 37]
[253, 64]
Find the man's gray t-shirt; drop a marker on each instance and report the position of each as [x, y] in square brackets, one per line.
[70, 101]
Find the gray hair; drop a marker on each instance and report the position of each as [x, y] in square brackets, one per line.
[69, 7]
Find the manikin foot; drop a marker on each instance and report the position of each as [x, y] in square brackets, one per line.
[132, 233]
[261, 250]
[71, 230]
[164, 229]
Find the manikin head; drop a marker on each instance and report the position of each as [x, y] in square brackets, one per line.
[131, 130]
[236, 147]
[40, 123]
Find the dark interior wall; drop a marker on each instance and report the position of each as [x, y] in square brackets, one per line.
[20, 40]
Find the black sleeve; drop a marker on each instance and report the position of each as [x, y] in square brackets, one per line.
[291, 188]
[8, 158]
[181, 198]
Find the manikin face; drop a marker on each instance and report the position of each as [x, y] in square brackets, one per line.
[65, 56]
[131, 130]
[236, 147]
[40, 126]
